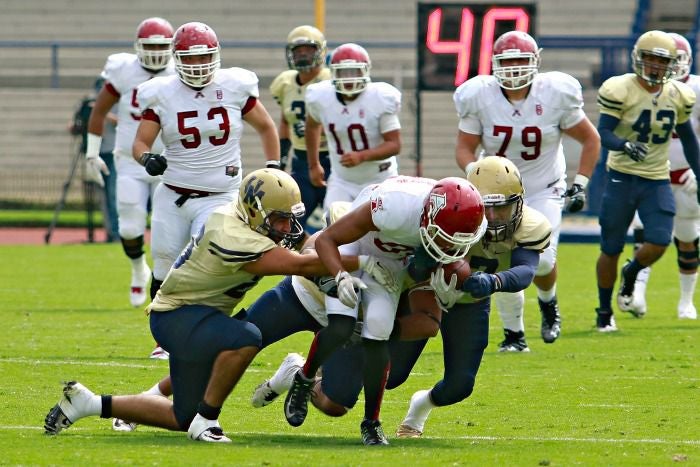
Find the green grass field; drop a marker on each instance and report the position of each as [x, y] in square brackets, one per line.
[628, 398]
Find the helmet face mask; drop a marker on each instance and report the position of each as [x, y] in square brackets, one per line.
[654, 57]
[154, 37]
[267, 197]
[501, 187]
[197, 54]
[306, 49]
[452, 220]
[350, 66]
[516, 60]
[684, 59]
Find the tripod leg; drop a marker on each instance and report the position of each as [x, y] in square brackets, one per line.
[77, 158]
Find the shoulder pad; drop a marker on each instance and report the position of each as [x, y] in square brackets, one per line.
[534, 230]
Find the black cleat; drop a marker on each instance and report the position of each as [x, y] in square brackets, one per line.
[372, 433]
[514, 342]
[297, 401]
[551, 320]
[605, 321]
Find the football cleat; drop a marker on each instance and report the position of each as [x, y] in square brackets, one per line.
[513, 342]
[625, 296]
[121, 425]
[159, 354]
[551, 320]
[139, 286]
[407, 431]
[605, 321]
[281, 381]
[372, 433]
[209, 431]
[74, 405]
[686, 310]
[296, 403]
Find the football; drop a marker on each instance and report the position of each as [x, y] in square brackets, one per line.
[461, 268]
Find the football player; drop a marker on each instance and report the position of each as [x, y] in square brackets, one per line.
[306, 55]
[199, 113]
[360, 119]
[209, 350]
[638, 114]
[122, 73]
[388, 221]
[521, 114]
[505, 260]
[686, 223]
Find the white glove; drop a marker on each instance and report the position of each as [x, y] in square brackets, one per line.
[447, 294]
[94, 168]
[689, 182]
[346, 288]
[380, 273]
[94, 165]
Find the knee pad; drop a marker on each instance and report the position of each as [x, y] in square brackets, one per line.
[133, 248]
[340, 328]
[687, 260]
[548, 259]
[155, 285]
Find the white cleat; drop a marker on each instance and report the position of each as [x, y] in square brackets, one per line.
[687, 311]
[121, 425]
[639, 305]
[139, 286]
[280, 382]
[407, 431]
[209, 431]
[159, 354]
[74, 405]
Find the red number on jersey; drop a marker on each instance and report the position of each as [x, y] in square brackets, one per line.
[193, 137]
[530, 137]
[355, 131]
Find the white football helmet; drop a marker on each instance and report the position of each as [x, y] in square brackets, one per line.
[196, 39]
[685, 57]
[350, 65]
[154, 32]
[515, 45]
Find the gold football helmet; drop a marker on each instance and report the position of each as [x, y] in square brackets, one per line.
[300, 60]
[268, 193]
[654, 57]
[499, 182]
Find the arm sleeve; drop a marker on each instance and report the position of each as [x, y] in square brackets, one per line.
[608, 139]
[522, 271]
[691, 151]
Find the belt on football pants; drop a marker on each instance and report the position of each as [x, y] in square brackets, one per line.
[187, 193]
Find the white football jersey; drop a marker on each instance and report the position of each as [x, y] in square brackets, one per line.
[526, 132]
[201, 129]
[124, 73]
[675, 152]
[397, 206]
[355, 126]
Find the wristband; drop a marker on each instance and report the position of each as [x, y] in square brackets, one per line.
[94, 142]
[582, 180]
[272, 164]
[468, 168]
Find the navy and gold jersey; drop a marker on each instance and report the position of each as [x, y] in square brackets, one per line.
[533, 233]
[289, 94]
[645, 117]
[209, 270]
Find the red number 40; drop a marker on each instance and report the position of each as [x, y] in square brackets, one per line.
[463, 46]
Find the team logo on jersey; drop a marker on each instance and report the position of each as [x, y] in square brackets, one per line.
[345, 111]
[516, 113]
[219, 94]
[362, 113]
[199, 94]
[437, 202]
[538, 109]
[375, 204]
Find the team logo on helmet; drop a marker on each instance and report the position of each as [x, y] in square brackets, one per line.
[437, 202]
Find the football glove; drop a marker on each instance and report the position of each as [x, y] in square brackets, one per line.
[285, 146]
[447, 294]
[482, 284]
[380, 273]
[347, 285]
[576, 198]
[635, 150]
[94, 168]
[155, 164]
[420, 265]
[689, 183]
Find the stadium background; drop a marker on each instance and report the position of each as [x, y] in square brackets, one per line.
[53, 50]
